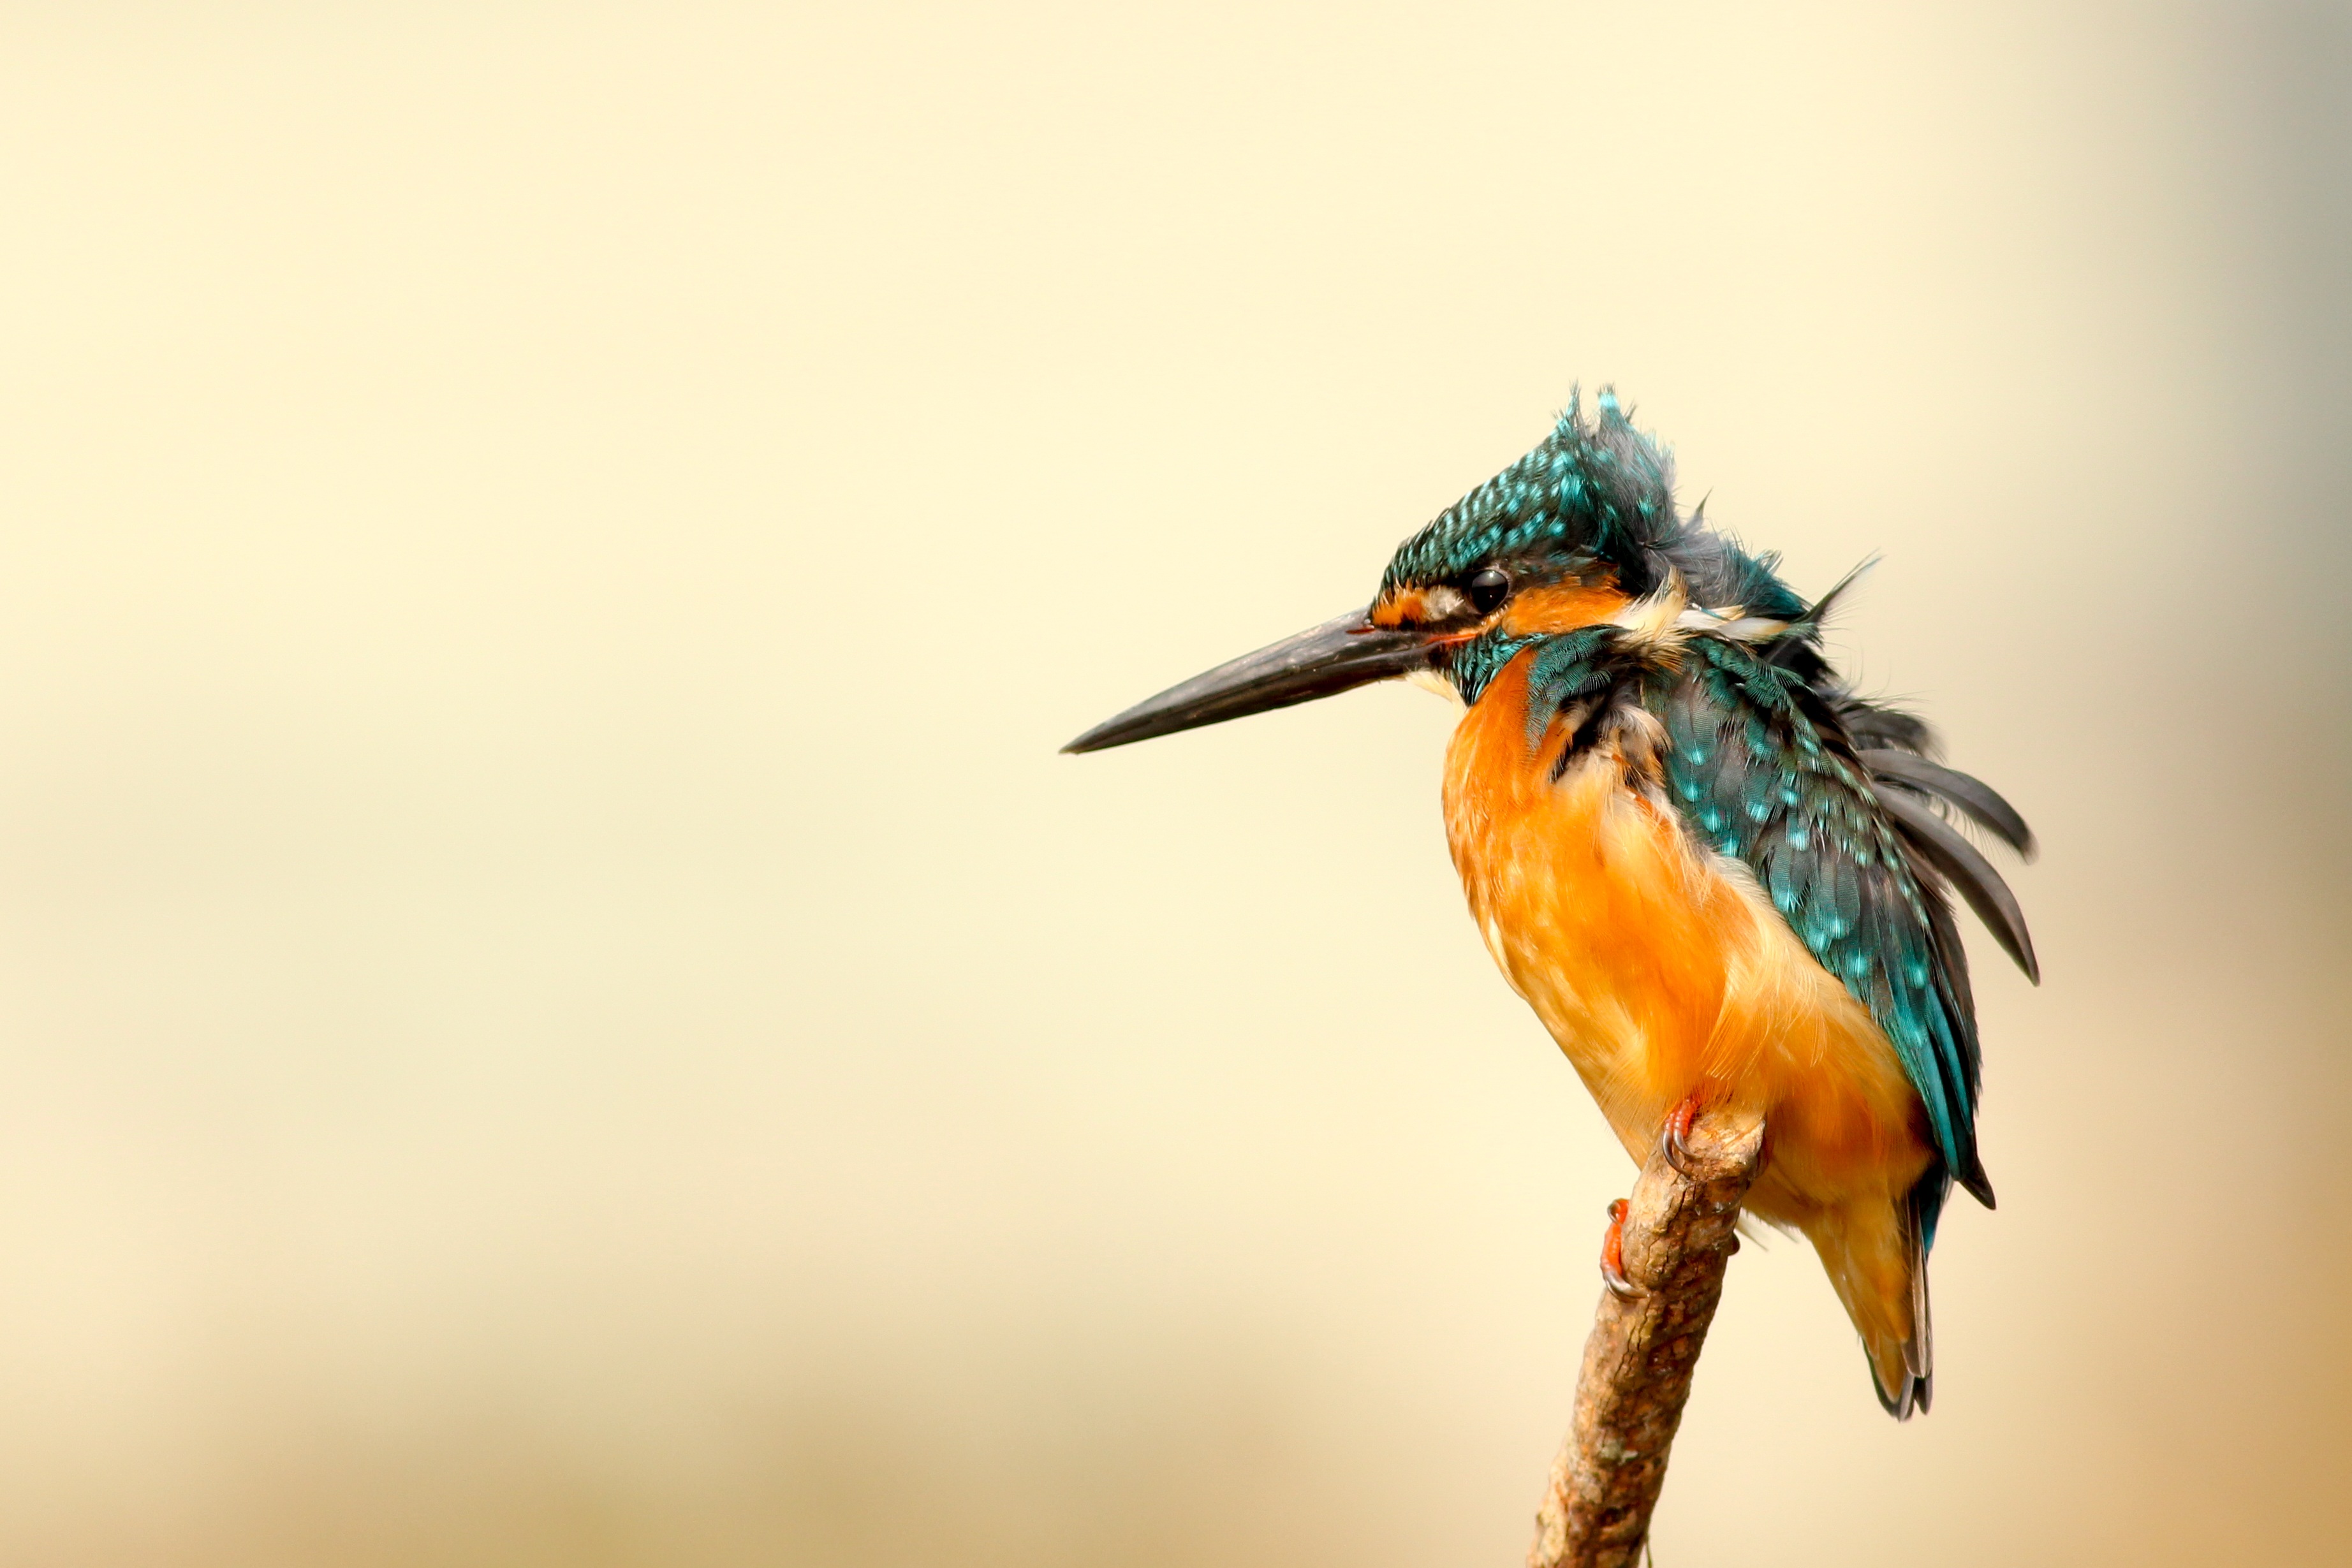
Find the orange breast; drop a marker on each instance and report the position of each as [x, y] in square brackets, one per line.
[1662, 970]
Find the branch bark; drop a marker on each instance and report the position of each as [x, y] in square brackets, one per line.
[1678, 1236]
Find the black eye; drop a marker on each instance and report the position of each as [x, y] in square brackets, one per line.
[1488, 589]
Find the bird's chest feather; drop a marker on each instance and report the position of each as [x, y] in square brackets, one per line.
[1657, 965]
[1588, 897]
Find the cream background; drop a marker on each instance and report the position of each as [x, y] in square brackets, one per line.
[558, 1005]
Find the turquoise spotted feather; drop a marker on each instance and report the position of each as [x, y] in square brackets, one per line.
[1764, 772]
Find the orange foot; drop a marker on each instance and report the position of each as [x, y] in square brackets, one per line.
[1673, 1138]
[1612, 1256]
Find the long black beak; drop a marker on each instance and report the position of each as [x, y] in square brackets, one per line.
[1335, 656]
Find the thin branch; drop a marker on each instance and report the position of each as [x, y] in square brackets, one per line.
[1678, 1235]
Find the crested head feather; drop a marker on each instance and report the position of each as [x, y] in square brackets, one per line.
[1594, 489]
[1597, 493]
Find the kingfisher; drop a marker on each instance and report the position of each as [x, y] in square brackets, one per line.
[1719, 876]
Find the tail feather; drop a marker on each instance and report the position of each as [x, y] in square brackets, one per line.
[1899, 1406]
[1921, 1356]
[1877, 1258]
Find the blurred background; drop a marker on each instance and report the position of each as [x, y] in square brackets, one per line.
[557, 1005]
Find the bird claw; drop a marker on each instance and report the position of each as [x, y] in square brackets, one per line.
[1612, 1256]
[1673, 1138]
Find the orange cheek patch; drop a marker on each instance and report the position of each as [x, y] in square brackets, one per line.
[1404, 606]
[1560, 607]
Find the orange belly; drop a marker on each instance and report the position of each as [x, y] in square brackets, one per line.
[1663, 972]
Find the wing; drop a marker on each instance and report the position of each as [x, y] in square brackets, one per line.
[1763, 771]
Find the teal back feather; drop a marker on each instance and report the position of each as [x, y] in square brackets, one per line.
[1762, 771]
[1764, 774]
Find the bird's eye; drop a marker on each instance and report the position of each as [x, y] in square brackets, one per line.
[1488, 589]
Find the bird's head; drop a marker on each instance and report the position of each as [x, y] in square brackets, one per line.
[1565, 537]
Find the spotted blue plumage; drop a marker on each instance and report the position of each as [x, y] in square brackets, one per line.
[1764, 773]
[1763, 770]
[1595, 499]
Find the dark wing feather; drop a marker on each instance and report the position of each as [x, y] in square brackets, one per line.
[1763, 771]
[1873, 724]
[1943, 847]
[1983, 803]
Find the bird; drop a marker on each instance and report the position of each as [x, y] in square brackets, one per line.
[1720, 875]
